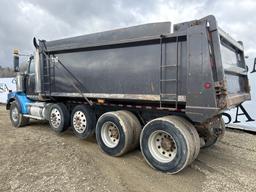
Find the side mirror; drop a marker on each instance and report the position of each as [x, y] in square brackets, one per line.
[16, 60]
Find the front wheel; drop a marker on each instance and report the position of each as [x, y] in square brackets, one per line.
[17, 119]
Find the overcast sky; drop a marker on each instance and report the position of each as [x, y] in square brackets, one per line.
[21, 20]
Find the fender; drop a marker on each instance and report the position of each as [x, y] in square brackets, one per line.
[21, 99]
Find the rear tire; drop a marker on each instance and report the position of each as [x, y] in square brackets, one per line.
[135, 126]
[191, 128]
[167, 144]
[17, 119]
[117, 132]
[83, 121]
[59, 117]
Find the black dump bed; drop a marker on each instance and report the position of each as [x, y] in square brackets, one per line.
[148, 65]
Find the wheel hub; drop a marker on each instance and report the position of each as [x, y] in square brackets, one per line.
[55, 118]
[110, 134]
[166, 144]
[113, 132]
[162, 146]
[15, 114]
[79, 121]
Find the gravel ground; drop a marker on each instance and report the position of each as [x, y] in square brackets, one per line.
[34, 158]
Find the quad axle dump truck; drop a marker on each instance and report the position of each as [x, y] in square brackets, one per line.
[138, 86]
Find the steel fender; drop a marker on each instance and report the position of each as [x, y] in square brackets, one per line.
[21, 100]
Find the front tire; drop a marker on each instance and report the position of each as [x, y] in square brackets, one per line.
[17, 119]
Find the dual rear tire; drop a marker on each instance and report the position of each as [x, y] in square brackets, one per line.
[118, 132]
[169, 144]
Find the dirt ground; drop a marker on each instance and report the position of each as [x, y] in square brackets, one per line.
[34, 158]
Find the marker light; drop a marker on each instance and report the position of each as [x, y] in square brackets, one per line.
[207, 85]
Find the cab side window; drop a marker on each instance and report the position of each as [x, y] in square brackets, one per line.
[31, 67]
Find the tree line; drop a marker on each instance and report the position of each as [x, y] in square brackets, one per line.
[6, 72]
[9, 72]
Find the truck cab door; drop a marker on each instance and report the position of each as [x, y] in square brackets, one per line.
[30, 82]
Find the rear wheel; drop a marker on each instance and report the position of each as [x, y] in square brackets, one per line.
[17, 119]
[167, 144]
[117, 132]
[59, 117]
[83, 121]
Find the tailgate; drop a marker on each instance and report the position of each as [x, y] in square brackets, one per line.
[235, 70]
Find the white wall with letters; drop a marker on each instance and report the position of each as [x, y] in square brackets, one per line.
[6, 84]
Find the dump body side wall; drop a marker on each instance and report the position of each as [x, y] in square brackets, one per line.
[126, 70]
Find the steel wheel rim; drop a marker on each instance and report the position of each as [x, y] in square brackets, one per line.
[55, 118]
[110, 134]
[162, 146]
[15, 114]
[79, 122]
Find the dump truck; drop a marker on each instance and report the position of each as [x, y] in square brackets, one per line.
[149, 86]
